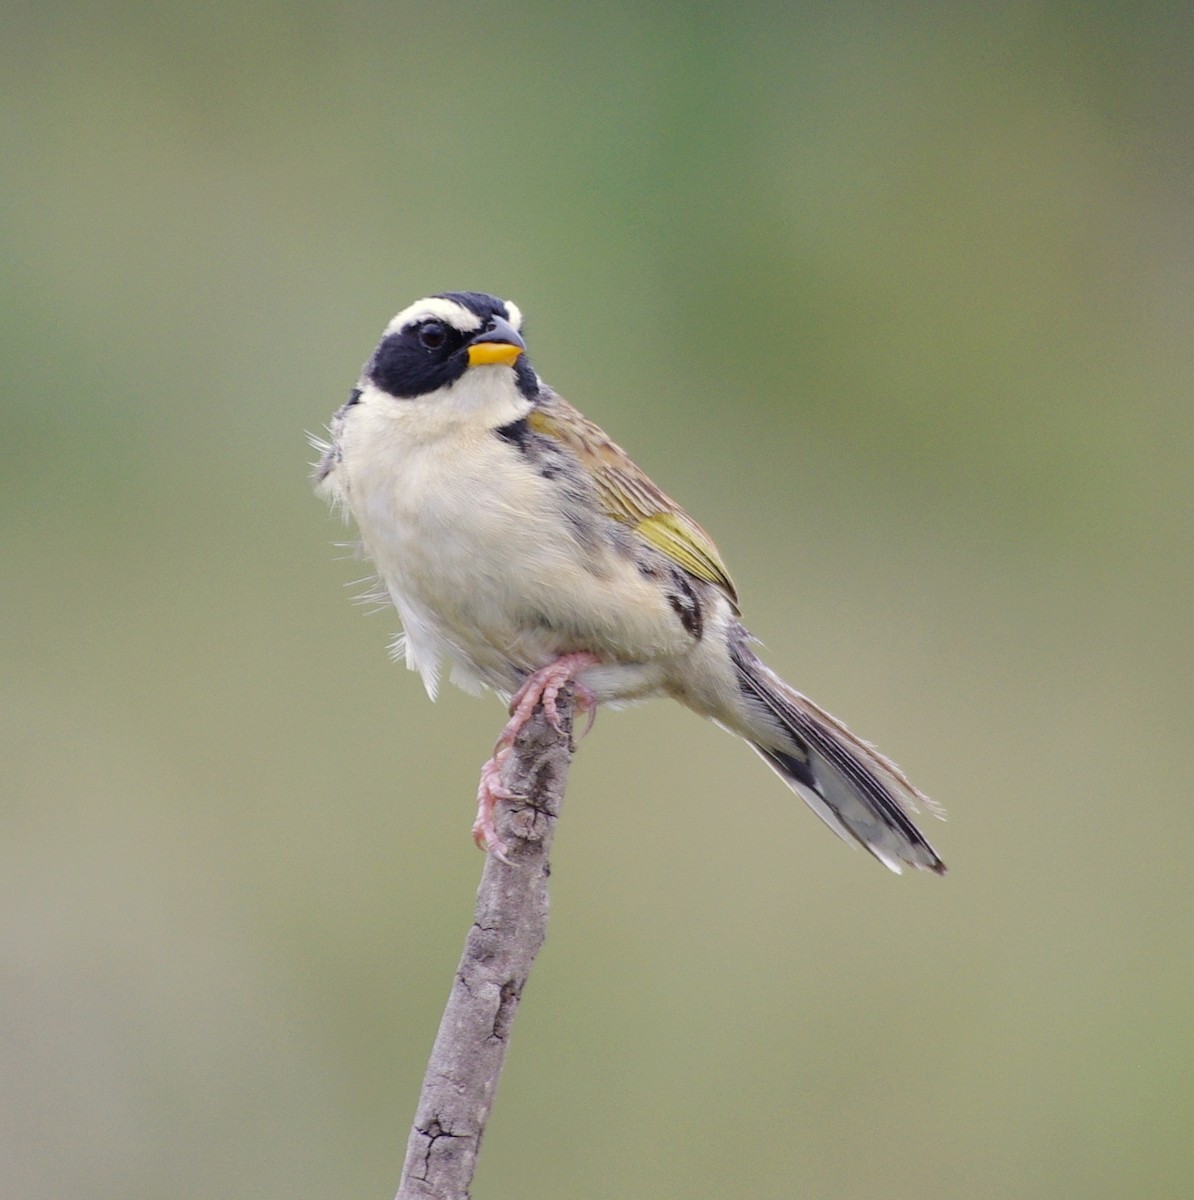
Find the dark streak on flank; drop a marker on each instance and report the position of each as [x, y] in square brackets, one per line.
[572, 492]
[686, 604]
[549, 459]
[517, 433]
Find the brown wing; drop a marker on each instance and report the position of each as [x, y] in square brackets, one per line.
[629, 496]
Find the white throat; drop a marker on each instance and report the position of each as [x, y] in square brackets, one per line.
[482, 399]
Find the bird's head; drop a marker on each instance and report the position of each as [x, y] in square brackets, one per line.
[445, 364]
[434, 345]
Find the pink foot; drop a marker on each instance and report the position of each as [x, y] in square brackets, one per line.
[489, 791]
[543, 687]
[540, 688]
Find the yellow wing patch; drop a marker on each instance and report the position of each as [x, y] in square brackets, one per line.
[628, 495]
[691, 549]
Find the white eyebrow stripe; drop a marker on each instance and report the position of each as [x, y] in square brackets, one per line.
[449, 311]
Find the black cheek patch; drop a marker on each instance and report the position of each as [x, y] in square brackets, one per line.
[402, 368]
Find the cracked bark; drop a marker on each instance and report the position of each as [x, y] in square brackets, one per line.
[509, 926]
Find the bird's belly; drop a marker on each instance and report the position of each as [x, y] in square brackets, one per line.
[485, 574]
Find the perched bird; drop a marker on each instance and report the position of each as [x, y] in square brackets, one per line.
[525, 549]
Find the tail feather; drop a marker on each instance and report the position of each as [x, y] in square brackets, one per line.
[858, 792]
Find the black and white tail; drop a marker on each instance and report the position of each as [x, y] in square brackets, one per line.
[861, 795]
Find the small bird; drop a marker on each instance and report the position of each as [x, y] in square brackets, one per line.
[525, 550]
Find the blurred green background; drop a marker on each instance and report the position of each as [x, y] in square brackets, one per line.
[896, 300]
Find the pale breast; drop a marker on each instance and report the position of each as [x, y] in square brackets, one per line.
[497, 568]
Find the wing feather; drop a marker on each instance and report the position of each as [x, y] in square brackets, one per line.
[628, 495]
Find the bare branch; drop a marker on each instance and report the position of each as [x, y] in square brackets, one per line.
[509, 926]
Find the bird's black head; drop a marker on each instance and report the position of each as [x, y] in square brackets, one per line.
[431, 344]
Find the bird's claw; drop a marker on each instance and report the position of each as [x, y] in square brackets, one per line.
[490, 790]
[587, 703]
[542, 687]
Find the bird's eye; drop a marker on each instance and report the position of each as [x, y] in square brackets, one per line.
[432, 335]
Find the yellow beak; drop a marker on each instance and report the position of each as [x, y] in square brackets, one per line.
[485, 354]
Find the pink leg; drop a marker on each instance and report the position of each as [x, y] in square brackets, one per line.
[540, 688]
